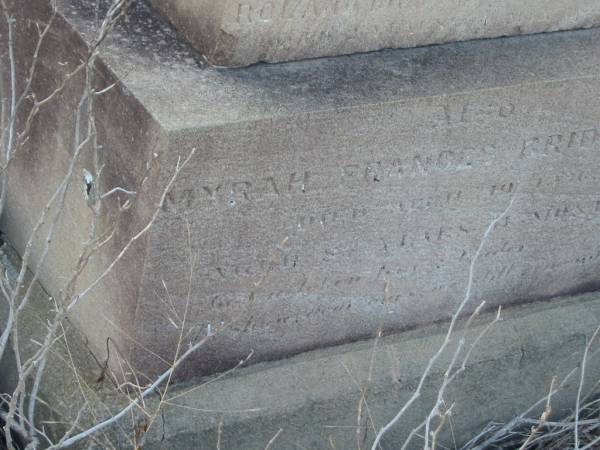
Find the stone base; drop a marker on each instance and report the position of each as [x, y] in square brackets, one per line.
[242, 32]
[314, 185]
[314, 397]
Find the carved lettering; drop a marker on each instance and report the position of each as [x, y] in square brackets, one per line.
[419, 164]
[245, 13]
[505, 188]
[236, 192]
[560, 143]
[495, 274]
[265, 11]
[469, 113]
[439, 200]
[568, 210]
[331, 217]
[298, 181]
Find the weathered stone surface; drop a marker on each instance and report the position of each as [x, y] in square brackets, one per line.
[314, 397]
[317, 182]
[72, 377]
[242, 32]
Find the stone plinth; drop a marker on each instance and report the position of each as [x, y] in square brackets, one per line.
[317, 184]
[242, 32]
[313, 397]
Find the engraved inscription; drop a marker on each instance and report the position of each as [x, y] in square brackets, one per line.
[235, 192]
[568, 211]
[265, 11]
[560, 143]
[438, 200]
[408, 209]
[418, 164]
[469, 113]
[331, 217]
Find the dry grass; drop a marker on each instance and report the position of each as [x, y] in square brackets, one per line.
[542, 434]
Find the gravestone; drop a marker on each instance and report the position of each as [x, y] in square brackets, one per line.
[326, 197]
[242, 32]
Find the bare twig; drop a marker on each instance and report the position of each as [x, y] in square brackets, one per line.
[543, 418]
[580, 388]
[448, 336]
[273, 439]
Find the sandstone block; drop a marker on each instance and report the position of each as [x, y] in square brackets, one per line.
[242, 32]
[325, 197]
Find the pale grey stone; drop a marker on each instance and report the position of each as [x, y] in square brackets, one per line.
[316, 183]
[242, 32]
[314, 397]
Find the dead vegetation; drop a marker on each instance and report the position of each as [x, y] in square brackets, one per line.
[20, 425]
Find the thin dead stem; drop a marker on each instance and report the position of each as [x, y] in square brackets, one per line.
[449, 333]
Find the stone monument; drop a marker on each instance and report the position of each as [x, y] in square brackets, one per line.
[325, 197]
[242, 32]
[323, 200]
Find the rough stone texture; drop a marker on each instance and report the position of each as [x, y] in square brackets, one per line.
[242, 32]
[39, 169]
[72, 375]
[313, 397]
[315, 182]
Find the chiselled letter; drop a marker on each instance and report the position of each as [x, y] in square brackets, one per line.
[244, 13]
[299, 180]
[453, 196]
[504, 188]
[188, 196]
[531, 147]
[445, 159]
[451, 118]
[291, 8]
[371, 172]
[267, 12]
[169, 199]
[507, 110]
[397, 168]
[212, 192]
[421, 164]
[362, 212]
[272, 185]
[350, 170]
[553, 143]
[310, 9]
[380, 4]
[589, 138]
[241, 187]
